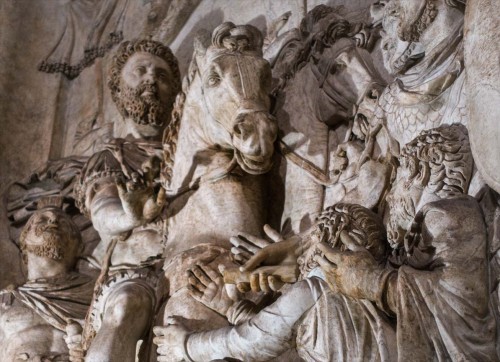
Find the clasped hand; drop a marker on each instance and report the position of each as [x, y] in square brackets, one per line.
[266, 265]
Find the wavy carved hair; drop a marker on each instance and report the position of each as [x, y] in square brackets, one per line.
[445, 153]
[345, 217]
[353, 218]
[314, 40]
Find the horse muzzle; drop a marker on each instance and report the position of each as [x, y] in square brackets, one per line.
[253, 138]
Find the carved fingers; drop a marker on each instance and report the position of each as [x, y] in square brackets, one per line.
[246, 245]
[279, 253]
[154, 204]
[353, 241]
[170, 340]
[263, 279]
[352, 273]
[264, 282]
[73, 339]
[139, 199]
[206, 285]
[273, 234]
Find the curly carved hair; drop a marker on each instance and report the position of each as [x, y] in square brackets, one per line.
[351, 218]
[445, 154]
[126, 50]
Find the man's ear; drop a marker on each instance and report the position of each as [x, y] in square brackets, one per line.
[424, 174]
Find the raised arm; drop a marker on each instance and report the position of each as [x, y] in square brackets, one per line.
[119, 207]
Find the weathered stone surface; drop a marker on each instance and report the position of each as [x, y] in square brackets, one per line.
[318, 184]
[483, 81]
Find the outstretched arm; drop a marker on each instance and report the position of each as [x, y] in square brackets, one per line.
[265, 336]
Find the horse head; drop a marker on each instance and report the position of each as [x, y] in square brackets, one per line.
[235, 88]
[333, 49]
[345, 73]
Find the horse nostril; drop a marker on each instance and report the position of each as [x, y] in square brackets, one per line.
[242, 130]
[373, 94]
[237, 130]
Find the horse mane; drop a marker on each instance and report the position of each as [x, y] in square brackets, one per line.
[170, 139]
[317, 40]
[239, 38]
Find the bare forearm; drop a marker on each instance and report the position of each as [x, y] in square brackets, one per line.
[109, 217]
[267, 335]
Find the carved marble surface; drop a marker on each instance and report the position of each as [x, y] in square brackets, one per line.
[293, 181]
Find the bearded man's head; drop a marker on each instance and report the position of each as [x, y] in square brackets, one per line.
[438, 161]
[51, 233]
[144, 79]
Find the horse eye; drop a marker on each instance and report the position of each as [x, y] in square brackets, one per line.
[337, 66]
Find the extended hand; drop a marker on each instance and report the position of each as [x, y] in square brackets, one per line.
[245, 245]
[354, 273]
[207, 287]
[270, 267]
[139, 200]
[171, 340]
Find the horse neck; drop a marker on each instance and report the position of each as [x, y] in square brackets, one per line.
[195, 154]
[302, 130]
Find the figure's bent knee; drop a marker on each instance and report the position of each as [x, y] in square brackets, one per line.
[129, 303]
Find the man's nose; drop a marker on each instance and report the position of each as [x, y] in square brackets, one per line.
[52, 219]
[150, 75]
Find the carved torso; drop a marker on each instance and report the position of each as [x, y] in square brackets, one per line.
[38, 337]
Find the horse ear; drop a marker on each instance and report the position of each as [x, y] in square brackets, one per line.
[201, 42]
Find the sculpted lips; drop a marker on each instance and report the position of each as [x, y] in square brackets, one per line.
[147, 93]
[253, 164]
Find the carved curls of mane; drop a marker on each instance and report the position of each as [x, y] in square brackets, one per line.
[446, 152]
[126, 50]
[170, 138]
[314, 40]
[239, 38]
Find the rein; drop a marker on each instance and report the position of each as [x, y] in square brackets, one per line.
[209, 177]
[318, 175]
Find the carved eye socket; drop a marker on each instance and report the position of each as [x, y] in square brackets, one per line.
[162, 76]
[213, 79]
[337, 66]
[140, 70]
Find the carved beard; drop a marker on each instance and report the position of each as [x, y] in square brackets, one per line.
[402, 213]
[143, 110]
[413, 32]
[51, 246]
